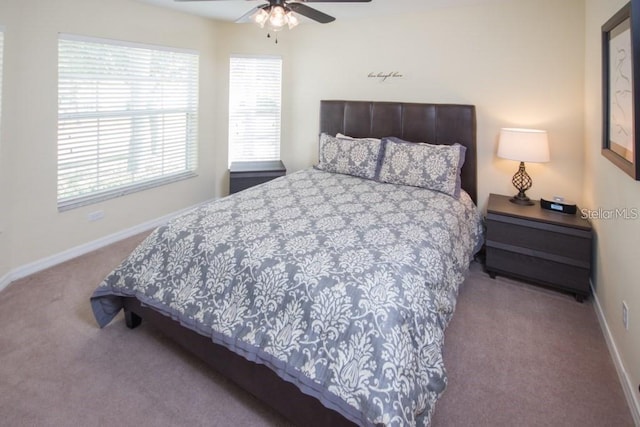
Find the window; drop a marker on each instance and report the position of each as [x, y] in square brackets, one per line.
[127, 118]
[255, 88]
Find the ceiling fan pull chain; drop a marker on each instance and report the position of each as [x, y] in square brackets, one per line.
[276, 37]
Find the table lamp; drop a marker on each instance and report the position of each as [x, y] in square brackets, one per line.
[523, 145]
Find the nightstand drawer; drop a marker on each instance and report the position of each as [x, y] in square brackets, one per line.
[540, 237]
[568, 277]
[534, 244]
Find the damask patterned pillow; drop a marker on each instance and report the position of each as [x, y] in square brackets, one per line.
[436, 167]
[350, 156]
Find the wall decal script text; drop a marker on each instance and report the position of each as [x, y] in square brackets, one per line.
[385, 75]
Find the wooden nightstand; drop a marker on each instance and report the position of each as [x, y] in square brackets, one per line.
[537, 245]
[243, 175]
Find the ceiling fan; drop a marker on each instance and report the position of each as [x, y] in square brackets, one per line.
[278, 14]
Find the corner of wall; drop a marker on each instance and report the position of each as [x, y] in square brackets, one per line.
[625, 380]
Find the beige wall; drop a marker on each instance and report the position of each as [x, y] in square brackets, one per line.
[32, 227]
[520, 62]
[607, 187]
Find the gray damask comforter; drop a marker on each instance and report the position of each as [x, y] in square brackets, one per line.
[341, 285]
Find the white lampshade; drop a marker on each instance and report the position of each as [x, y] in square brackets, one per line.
[524, 145]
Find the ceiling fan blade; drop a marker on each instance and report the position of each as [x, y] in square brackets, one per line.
[311, 13]
[333, 1]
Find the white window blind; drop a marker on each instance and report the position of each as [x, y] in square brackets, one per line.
[255, 89]
[127, 118]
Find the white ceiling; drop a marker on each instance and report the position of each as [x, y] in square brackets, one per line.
[230, 10]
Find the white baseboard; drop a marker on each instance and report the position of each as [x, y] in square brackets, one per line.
[625, 381]
[5, 280]
[75, 252]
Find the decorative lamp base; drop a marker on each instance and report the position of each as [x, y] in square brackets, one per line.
[519, 200]
[522, 181]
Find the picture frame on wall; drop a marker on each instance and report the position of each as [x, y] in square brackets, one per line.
[621, 88]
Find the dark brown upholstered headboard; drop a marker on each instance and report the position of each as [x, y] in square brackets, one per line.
[431, 123]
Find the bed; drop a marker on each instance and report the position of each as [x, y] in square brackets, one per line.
[325, 295]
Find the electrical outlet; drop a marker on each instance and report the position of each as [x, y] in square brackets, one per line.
[625, 315]
[95, 216]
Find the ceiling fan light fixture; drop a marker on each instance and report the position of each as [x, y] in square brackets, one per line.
[260, 17]
[292, 20]
[277, 18]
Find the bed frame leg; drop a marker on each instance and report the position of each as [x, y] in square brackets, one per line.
[131, 319]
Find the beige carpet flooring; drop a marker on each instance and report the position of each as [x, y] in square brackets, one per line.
[516, 355]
